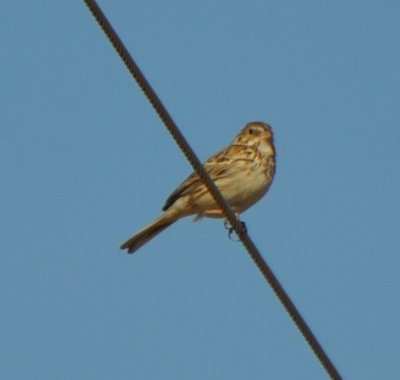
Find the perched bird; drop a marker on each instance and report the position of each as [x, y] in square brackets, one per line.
[243, 172]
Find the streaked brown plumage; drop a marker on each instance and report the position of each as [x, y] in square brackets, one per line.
[243, 172]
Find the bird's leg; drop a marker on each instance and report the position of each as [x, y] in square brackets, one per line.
[231, 229]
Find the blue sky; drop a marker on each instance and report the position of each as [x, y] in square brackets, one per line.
[85, 163]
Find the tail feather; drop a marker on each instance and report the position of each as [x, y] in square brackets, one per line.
[143, 236]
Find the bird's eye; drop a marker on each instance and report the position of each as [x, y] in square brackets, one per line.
[251, 131]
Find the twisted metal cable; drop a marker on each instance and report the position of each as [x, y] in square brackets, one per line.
[197, 166]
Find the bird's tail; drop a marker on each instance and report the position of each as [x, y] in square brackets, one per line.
[143, 236]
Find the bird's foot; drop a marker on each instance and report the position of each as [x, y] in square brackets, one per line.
[231, 229]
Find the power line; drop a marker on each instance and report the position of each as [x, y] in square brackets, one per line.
[197, 166]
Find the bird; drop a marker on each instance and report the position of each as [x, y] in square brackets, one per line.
[243, 172]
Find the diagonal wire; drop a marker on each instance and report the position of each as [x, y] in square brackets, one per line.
[197, 166]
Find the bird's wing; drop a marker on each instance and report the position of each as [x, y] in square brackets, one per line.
[219, 166]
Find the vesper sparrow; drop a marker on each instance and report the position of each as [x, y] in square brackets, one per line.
[243, 172]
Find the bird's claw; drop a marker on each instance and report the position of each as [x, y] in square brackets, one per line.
[231, 229]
